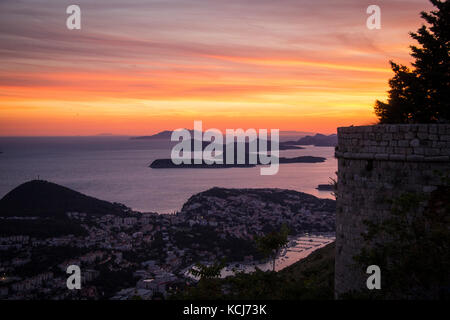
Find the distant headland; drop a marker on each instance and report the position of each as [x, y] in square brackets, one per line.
[318, 140]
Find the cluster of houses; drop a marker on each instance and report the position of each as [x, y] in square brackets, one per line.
[153, 281]
[127, 243]
[13, 242]
[245, 213]
[108, 239]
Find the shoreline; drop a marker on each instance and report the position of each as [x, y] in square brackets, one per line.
[299, 247]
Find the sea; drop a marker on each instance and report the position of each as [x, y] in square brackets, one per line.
[299, 247]
[116, 169]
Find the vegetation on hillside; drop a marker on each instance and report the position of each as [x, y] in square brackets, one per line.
[311, 278]
[41, 228]
[415, 254]
[272, 243]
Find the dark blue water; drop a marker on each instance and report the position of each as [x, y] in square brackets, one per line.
[116, 169]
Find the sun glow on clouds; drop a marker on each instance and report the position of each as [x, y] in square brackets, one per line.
[137, 67]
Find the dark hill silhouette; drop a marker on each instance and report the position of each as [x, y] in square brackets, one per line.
[319, 140]
[163, 135]
[166, 134]
[46, 199]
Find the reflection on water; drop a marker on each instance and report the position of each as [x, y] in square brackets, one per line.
[298, 248]
[116, 169]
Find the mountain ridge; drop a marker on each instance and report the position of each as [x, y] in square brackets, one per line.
[47, 199]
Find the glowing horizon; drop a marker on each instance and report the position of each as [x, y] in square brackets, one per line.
[140, 67]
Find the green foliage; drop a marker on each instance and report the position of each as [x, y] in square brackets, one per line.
[109, 281]
[272, 243]
[422, 94]
[311, 278]
[412, 247]
[205, 238]
[136, 297]
[208, 272]
[333, 182]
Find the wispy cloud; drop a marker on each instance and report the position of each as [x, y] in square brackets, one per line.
[287, 56]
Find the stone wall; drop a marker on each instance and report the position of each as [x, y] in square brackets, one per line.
[377, 164]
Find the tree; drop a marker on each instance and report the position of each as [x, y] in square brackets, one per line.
[207, 286]
[272, 243]
[422, 94]
[208, 272]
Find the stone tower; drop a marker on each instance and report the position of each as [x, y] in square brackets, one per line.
[375, 164]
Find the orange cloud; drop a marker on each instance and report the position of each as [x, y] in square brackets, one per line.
[293, 65]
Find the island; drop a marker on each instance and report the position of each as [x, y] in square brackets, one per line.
[318, 140]
[168, 164]
[289, 147]
[325, 187]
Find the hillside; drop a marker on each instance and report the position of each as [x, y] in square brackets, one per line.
[318, 140]
[46, 199]
[311, 278]
[254, 211]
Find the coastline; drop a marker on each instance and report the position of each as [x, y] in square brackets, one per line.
[299, 247]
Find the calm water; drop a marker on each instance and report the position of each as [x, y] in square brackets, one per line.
[303, 246]
[299, 248]
[116, 169]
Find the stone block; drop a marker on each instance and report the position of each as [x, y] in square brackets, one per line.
[438, 158]
[403, 143]
[381, 156]
[428, 189]
[415, 157]
[422, 135]
[397, 157]
[415, 143]
[432, 128]
[392, 129]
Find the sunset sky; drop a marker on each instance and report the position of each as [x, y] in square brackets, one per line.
[142, 66]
